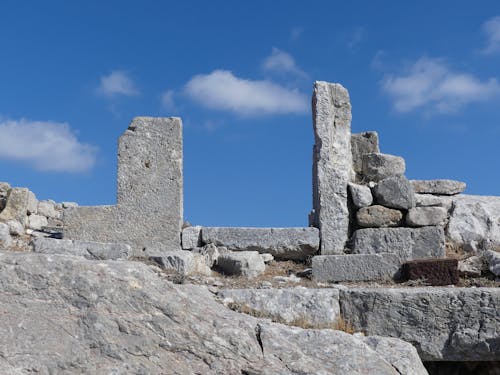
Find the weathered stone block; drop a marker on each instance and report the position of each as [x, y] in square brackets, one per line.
[378, 216]
[436, 272]
[377, 166]
[86, 249]
[185, 262]
[440, 187]
[361, 195]
[355, 267]
[37, 221]
[395, 192]
[408, 243]
[191, 237]
[429, 200]
[361, 144]
[473, 266]
[242, 263]
[15, 227]
[493, 259]
[5, 238]
[16, 206]
[424, 216]
[210, 252]
[332, 164]
[282, 243]
[32, 205]
[48, 209]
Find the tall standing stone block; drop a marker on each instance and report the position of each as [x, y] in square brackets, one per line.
[148, 214]
[332, 164]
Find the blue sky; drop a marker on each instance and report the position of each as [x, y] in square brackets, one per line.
[425, 75]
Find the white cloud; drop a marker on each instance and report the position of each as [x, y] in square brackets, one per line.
[224, 91]
[45, 145]
[491, 28]
[430, 84]
[167, 100]
[117, 83]
[281, 62]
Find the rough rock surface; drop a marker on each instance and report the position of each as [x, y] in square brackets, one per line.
[184, 262]
[408, 243]
[440, 187]
[428, 200]
[361, 144]
[355, 267]
[86, 249]
[5, 238]
[424, 216]
[282, 243]
[242, 263]
[378, 216]
[16, 206]
[64, 314]
[493, 259]
[332, 164]
[361, 195]
[435, 272]
[316, 308]
[191, 237]
[473, 266]
[452, 324]
[377, 166]
[395, 192]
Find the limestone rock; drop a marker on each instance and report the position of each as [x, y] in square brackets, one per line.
[361, 144]
[69, 204]
[493, 259]
[429, 200]
[210, 252]
[85, 249]
[47, 208]
[450, 324]
[440, 187]
[16, 206]
[355, 267]
[310, 308]
[242, 263]
[37, 221]
[332, 164]
[185, 262]
[361, 195]
[378, 216]
[377, 166]
[282, 243]
[32, 203]
[473, 266]
[5, 238]
[408, 243]
[395, 192]
[423, 216]
[267, 258]
[191, 237]
[15, 228]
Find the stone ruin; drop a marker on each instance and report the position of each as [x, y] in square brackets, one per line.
[369, 224]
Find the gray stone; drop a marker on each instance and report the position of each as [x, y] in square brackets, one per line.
[148, 214]
[395, 192]
[86, 249]
[4, 189]
[332, 164]
[191, 237]
[69, 204]
[429, 200]
[282, 243]
[473, 266]
[15, 227]
[408, 243]
[474, 222]
[32, 203]
[378, 216]
[361, 144]
[493, 259]
[64, 314]
[16, 206]
[450, 324]
[47, 208]
[423, 216]
[267, 258]
[355, 267]
[210, 252]
[312, 308]
[5, 238]
[37, 221]
[440, 187]
[361, 195]
[377, 166]
[241, 263]
[185, 262]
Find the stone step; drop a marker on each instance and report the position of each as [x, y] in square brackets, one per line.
[87, 249]
[436, 272]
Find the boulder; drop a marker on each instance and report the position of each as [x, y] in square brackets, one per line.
[16, 206]
[493, 259]
[440, 187]
[395, 192]
[378, 216]
[184, 262]
[32, 203]
[210, 252]
[377, 166]
[361, 195]
[5, 238]
[361, 144]
[424, 216]
[85, 249]
[241, 263]
[15, 227]
[37, 222]
[191, 237]
[47, 208]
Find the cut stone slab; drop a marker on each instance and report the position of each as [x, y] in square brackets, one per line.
[493, 259]
[241, 263]
[355, 267]
[377, 166]
[332, 164]
[191, 237]
[361, 195]
[312, 308]
[282, 243]
[47, 208]
[395, 192]
[5, 238]
[185, 262]
[424, 216]
[440, 187]
[429, 200]
[87, 249]
[444, 324]
[407, 243]
[37, 221]
[361, 144]
[16, 207]
[378, 216]
[436, 272]
[148, 214]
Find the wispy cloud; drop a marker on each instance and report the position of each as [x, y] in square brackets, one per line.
[167, 100]
[222, 90]
[45, 146]
[491, 28]
[431, 85]
[117, 83]
[281, 62]
[355, 37]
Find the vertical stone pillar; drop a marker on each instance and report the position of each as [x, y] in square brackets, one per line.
[332, 164]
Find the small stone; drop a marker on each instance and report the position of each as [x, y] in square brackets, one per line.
[493, 259]
[267, 258]
[5, 238]
[395, 192]
[242, 263]
[424, 216]
[47, 208]
[307, 273]
[184, 262]
[210, 252]
[436, 272]
[361, 195]
[15, 228]
[473, 266]
[37, 222]
[361, 144]
[440, 187]
[378, 216]
[191, 237]
[377, 166]
[266, 285]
